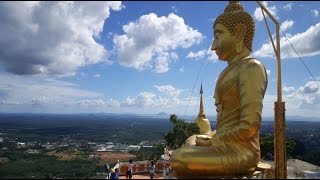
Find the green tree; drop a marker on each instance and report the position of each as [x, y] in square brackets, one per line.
[267, 145]
[299, 150]
[176, 137]
[313, 157]
[157, 151]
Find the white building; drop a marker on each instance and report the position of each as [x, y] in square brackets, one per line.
[134, 147]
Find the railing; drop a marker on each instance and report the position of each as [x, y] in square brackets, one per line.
[140, 167]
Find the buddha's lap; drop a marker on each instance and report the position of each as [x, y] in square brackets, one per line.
[213, 160]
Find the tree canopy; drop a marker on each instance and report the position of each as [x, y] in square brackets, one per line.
[176, 137]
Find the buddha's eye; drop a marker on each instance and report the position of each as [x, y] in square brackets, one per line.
[217, 35]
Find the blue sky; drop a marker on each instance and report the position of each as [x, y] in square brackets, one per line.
[143, 57]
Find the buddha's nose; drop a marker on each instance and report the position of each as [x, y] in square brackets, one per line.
[214, 46]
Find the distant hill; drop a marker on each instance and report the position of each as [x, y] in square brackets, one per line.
[162, 113]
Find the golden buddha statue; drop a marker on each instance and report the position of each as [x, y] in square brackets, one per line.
[233, 149]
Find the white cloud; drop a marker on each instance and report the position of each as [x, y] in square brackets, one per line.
[213, 56]
[97, 76]
[52, 37]
[307, 96]
[286, 25]
[29, 92]
[39, 101]
[209, 54]
[258, 14]
[268, 72]
[287, 89]
[309, 88]
[315, 13]
[181, 69]
[309, 47]
[46, 95]
[196, 55]
[149, 42]
[169, 100]
[144, 99]
[288, 6]
[301, 101]
[99, 103]
[114, 5]
[163, 60]
[169, 90]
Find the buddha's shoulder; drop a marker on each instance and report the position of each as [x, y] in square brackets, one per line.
[252, 63]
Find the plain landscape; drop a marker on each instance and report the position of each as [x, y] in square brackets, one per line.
[78, 145]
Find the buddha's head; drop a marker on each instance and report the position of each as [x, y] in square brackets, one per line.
[238, 23]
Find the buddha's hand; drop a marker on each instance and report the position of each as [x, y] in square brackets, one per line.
[203, 140]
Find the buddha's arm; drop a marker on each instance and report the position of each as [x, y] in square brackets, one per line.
[252, 84]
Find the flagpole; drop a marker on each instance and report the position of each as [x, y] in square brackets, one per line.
[279, 107]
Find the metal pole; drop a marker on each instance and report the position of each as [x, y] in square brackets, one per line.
[279, 113]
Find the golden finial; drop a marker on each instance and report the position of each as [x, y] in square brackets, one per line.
[201, 112]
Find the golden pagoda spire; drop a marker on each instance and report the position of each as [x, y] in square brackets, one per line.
[201, 112]
[202, 122]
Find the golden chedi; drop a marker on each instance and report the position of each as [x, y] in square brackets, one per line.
[233, 149]
[202, 121]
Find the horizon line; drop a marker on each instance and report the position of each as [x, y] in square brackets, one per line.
[136, 114]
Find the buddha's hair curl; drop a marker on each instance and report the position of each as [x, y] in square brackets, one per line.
[233, 15]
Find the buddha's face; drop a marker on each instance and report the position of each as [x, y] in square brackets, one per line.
[224, 43]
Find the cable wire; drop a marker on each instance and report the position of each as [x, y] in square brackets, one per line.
[195, 86]
[300, 58]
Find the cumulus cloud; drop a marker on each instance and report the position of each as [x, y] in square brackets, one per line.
[213, 56]
[98, 103]
[209, 54]
[144, 99]
[308, 96]
[258, 14]
[47, 95]
[163, 60]
[288, 7]
[287, 89]
[309, 88]
[24, 93]
[299, 101]
[197, 55]
[169, 90]
[315, 13]
[45, 37]
[286, 25]
[309, 47]
[169, 98]
[149, 43]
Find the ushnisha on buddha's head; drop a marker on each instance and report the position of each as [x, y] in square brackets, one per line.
[238, 23]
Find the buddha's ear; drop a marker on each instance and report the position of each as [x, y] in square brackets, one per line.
[239, 32]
